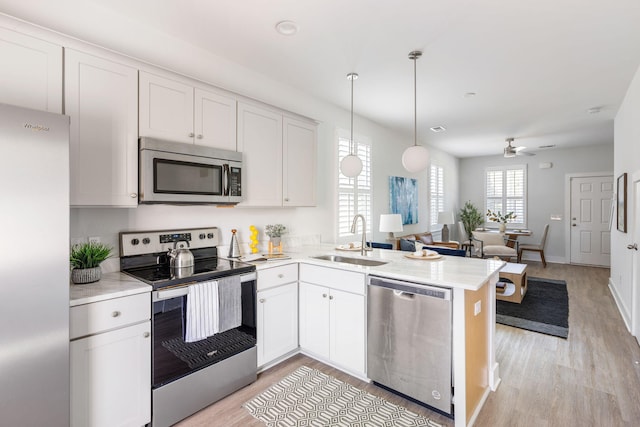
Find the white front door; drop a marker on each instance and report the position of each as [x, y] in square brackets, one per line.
[634, 225]
[590, 220]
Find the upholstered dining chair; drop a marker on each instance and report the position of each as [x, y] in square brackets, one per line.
[488, 245]
[536, 248]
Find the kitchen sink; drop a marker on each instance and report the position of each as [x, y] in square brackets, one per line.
[350, 260]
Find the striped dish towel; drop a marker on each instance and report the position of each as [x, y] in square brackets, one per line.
[202, 311]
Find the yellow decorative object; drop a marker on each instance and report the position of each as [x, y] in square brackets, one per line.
[253, 237]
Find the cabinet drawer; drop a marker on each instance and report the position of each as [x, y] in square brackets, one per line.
[277, 276]
[101, 316]
[344, 280]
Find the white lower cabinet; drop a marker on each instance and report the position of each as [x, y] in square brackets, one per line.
[111, 368]
[332, 316]
[277, 312]
[277, 322]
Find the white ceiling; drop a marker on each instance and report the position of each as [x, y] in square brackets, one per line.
[536, 66]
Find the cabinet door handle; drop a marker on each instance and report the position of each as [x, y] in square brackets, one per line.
[199, 136]
[115, 314]
[633, 246]
[330, 296]
[191, 134]
[133, 195]
[262, 300]
[324, 295]
[146, 335]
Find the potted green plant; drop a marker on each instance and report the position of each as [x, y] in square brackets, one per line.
[275, 232]
[85, 259]
[471, 218]
[499, 217]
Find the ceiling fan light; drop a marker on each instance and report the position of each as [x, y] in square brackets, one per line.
[351, 166]
[509, 152]
[415, 158]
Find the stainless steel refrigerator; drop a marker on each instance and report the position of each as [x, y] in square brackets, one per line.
[34, 268]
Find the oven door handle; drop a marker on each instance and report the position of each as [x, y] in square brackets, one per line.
[169, 293]
[165, 294]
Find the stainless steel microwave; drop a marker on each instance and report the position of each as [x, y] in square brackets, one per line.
[179, 173]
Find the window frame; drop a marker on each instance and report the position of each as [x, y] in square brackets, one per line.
[521, 219]
[360, 187]
[438, 197]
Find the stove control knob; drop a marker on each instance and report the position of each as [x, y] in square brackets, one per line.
[210, 235]
[146, 240]
[202, 236]
[135, 241]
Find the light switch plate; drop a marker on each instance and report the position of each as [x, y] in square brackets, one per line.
[477, 307]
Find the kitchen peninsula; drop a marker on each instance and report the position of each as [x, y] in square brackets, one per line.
[472, 283]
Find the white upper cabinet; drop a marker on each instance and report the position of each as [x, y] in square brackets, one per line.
[260, 141]
[101, 97]
[215, 120]
[299, 169]
[279, 155]
[31, 72]
[175, 110]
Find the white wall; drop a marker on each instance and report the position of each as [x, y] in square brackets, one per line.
[627, 159]
[546, 190]
[151, 47]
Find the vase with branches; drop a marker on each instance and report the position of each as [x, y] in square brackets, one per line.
[501, 218]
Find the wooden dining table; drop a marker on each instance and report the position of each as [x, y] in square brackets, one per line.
[512, 234]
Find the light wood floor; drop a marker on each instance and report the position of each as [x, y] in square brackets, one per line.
[590, 379]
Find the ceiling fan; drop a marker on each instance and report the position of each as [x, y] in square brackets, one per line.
[511, 151]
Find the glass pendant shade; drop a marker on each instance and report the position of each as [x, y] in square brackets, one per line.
[415, 158]
[351, 166]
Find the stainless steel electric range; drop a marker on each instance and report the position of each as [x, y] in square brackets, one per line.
[188, 376]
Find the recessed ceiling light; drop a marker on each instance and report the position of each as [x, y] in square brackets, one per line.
[438, 129]
[470, 94]
[547, 146]
[287, 28]
[594, 110]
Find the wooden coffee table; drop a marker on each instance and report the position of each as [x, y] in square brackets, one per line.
[515, 277]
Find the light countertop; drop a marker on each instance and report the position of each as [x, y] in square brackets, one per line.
[448, 271]
[112, 285]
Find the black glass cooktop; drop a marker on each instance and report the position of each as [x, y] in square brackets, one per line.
[160, 276]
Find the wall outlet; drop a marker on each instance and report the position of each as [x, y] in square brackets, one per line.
[477, 308]
[94, 240]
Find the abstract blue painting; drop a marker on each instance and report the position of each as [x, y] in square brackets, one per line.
[403, 198]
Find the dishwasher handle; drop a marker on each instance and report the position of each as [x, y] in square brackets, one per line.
[401, 288]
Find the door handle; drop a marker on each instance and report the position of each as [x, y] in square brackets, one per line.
[573, 225]
[634, 246]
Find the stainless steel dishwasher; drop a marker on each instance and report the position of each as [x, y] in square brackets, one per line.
[409, 340]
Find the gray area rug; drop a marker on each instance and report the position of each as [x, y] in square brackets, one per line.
[544, 309]
[308, 397]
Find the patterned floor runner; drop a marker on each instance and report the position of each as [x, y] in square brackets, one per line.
[308, 397]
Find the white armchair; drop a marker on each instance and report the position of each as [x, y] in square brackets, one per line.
[488, 245]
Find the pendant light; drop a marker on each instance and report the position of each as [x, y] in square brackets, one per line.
[415, 158]
[351, 165]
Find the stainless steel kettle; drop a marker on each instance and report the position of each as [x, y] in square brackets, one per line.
[180, 257]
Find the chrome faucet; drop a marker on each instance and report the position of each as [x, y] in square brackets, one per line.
[363, 247]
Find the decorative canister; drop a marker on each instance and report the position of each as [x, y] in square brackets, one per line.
[82, 276]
